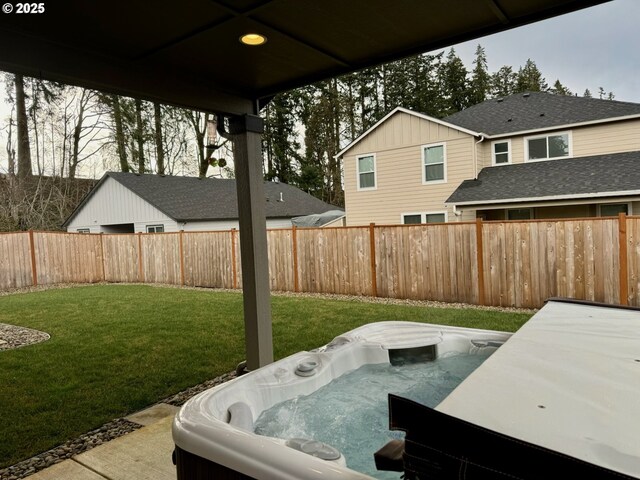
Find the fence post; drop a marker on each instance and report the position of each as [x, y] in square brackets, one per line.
[624, 275]
[104, 272]
[181, 258]
[294, 240]
[372, 248]
[234, 267]
[32, 248]
[480, 261]
[140, 270]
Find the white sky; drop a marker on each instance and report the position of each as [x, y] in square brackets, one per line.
[595, 47]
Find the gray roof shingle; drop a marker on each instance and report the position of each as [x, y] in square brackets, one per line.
[187, 199]
[537, 110]
[598, 174]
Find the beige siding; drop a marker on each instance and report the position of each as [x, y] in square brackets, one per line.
[615, 137]
[609, 138]
[397, 144]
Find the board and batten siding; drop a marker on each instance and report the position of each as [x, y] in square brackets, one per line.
[114, 204]
[397, 144]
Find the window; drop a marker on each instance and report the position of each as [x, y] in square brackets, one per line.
[83, 230]
[412, 219]
[417, 218]
[519, 214]
[501, 152]
[548, 147]
[155, 228]
[366, 165]
[434, 163]
[613, 209]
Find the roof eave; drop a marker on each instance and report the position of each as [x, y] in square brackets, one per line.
[409, 112]
[618, 193]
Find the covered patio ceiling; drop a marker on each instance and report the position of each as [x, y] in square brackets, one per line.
[187, 53]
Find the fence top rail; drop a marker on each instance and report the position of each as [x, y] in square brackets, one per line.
[348, 227]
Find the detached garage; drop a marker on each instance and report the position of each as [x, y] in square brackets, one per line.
[129, 202]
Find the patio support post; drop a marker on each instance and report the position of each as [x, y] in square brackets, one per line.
[246, 132]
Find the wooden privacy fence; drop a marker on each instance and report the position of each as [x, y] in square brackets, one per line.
[517, 264]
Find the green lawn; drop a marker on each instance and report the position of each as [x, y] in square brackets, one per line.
[115, 349]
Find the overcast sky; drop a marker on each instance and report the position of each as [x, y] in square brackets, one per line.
[591, 48]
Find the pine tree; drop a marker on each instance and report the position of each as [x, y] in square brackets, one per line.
[480, 80]
[503, 82]
[587, 94]
[530, 78]
[454, 84]
[559, 89]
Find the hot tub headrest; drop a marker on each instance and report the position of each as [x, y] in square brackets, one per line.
[240, 416]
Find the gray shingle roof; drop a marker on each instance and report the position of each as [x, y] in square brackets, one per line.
[537, 110]
[618, 172]
[187, 199]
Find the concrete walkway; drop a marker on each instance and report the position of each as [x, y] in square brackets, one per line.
[141, 455]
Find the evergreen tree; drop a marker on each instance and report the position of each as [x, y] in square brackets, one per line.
[480, 85]
[530, 79]
[587, 94]
[559, 89]
[454, 84]
[280, 142]
[503, 82]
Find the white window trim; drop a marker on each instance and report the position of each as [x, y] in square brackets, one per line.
[156, 225]
[629, 207]
[493, 152]
[546, 135]
[423, 216]
[422, 164]
[83, 230]
[375, 172]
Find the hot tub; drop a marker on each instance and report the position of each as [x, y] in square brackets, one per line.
[214, 431]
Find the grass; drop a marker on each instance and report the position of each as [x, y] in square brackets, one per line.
[115, 349]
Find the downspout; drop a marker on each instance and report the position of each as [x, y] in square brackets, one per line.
[475, 157]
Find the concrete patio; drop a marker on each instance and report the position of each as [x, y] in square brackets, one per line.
[141, 455]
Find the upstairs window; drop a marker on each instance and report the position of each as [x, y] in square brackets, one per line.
[501, 152]
[155, 228]
[366, 165]
[434, 159]
[548, 147]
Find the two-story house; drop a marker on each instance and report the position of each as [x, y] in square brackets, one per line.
[528, 155]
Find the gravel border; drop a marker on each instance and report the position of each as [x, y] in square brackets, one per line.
[14, 336]
[327, 296]
[109, 431]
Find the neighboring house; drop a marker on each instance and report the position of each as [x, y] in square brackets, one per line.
[128, 202]
[531, 155]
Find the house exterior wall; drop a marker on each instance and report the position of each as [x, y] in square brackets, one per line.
[114, 204]
[397, 144]
[215, 225]
[615, 137]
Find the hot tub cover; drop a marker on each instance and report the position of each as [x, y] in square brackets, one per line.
[568, 381]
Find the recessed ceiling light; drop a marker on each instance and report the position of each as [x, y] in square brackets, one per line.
[253, 39]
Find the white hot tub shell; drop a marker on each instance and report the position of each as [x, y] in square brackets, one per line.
[215, 427]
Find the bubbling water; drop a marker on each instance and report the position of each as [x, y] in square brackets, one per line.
[351, 412]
